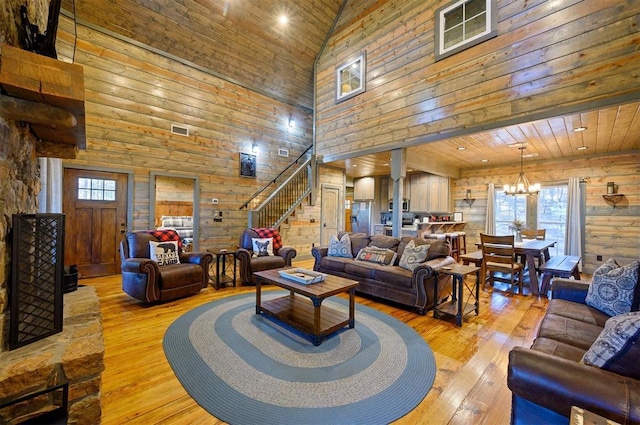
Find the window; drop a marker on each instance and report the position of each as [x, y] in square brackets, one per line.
[96, 189]
[507, 209]
[552, 214]
[548, 210]
[350, 79]
[464, 23]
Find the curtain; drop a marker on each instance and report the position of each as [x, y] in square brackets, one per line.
[490, 221]
[573, 235]
[50, 196]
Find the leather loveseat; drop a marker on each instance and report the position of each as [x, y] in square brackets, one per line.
[413, 289]
[549, 378]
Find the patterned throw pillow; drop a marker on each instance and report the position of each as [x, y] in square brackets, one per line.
[413, 255]
[377, 255]
[262, 247]
[164, 253]
[616, 349]
[340, 247]
[612, 287]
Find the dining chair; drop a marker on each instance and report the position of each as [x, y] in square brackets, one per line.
[538, 234]
[498, 255]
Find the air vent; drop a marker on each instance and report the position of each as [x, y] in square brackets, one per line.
[182, 131]
[283, 152]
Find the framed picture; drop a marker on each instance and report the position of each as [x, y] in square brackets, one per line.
[350, 78]
[457, 217]
[247, 165]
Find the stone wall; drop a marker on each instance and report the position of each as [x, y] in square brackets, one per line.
[19, 170]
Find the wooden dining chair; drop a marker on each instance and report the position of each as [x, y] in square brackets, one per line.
[498, 255]
[538, 234]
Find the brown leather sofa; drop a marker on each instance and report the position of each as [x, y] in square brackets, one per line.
[548, 378]
[249, 264]
[412, 289]
[144, 280]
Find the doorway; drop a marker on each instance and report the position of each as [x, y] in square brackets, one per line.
[95, 204]
[174, 195]
[331, 213]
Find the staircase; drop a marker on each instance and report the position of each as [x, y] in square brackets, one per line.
[273, 210]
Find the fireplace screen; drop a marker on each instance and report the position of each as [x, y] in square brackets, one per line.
[36, 284]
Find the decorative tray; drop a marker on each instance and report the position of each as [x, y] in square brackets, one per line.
[302, 275]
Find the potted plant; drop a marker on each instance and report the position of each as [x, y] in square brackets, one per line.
[517, 226]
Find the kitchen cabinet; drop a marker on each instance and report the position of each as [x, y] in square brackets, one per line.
[406, 188]
[438, 193]
[364, 188]
[429, 193]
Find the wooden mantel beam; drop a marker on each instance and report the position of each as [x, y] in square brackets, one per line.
[49, 95]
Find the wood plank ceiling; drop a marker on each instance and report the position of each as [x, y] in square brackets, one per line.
[244, 43]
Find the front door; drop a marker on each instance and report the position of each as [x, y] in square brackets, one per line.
[331, 212]
[95, 204]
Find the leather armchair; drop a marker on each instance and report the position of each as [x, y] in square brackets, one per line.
[248, 264]
[144, 280]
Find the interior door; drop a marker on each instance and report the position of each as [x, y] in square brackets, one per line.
[331, 212]
[95, 205]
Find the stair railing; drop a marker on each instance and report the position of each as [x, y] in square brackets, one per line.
[285, 198]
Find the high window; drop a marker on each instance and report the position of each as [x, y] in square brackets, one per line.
[462, 24]
[350, 78]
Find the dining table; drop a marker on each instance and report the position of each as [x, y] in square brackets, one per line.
[529, 249]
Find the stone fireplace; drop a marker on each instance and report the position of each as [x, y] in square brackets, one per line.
[72, 358]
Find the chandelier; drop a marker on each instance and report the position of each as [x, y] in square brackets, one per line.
[522, 185]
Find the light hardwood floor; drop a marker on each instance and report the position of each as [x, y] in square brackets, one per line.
[139, 387]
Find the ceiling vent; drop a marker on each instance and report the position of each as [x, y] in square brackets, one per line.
[283, 152]
[177, 129]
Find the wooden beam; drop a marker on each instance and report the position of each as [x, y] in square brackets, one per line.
[56, 150]
[15, 109]
[45, 83]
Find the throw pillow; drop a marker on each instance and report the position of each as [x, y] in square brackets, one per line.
[413, 255]
[377, 255]
[611, 289]
[164, 253]
[340, 247]
[616, 349]
[262, 247]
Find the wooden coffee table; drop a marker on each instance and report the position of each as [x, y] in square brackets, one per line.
[301, 309]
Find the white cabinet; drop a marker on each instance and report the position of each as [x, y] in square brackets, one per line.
[364, 188]
[420, 192]
[406, 188]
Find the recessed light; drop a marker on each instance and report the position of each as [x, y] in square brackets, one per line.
[582, 148]
[461, 148]
[283, 19]
[577, 129]
[484, 160]
[354, 165]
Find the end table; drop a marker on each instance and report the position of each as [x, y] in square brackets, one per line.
[223, 266]
[458, 307]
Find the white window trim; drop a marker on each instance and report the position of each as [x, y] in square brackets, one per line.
[489, 32]
[363, 72]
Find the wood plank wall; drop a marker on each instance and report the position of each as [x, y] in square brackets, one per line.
[549, 58]
[134, 95]
[612, 233]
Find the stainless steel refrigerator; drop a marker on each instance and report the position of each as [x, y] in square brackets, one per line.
[361, 216]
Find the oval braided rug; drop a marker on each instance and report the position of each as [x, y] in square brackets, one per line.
[248, 369]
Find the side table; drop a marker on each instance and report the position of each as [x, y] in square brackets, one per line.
[223, 266]
[458, 306]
